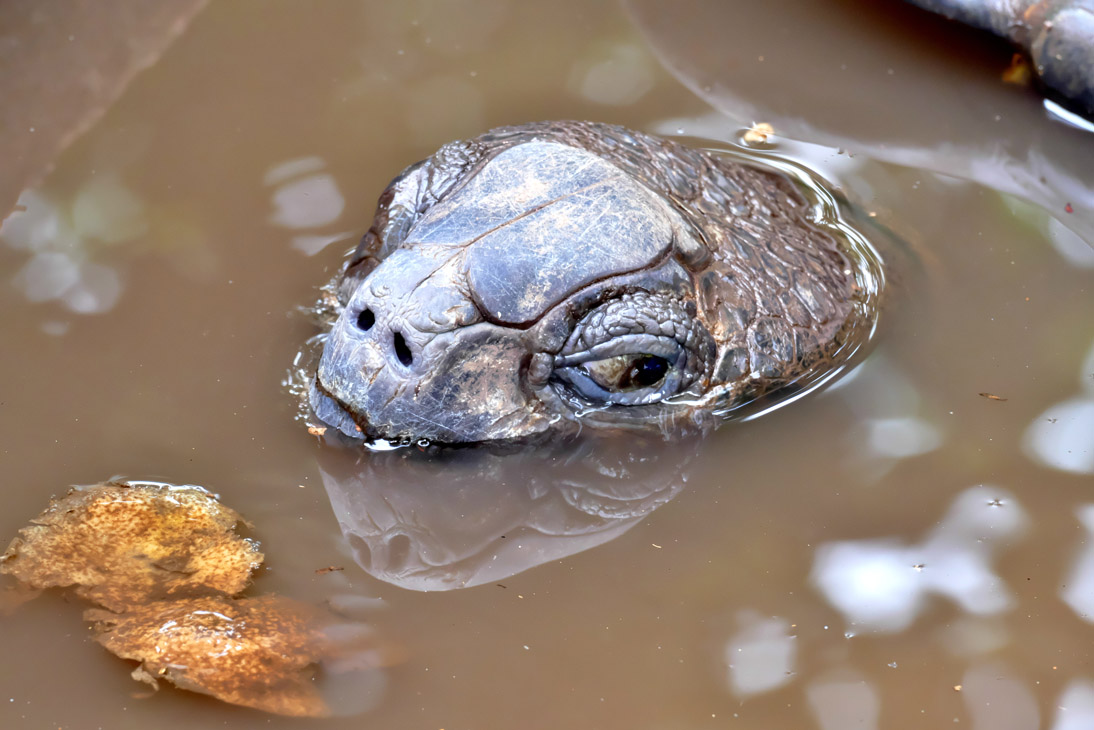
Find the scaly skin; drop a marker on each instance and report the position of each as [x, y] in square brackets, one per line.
[537, 279]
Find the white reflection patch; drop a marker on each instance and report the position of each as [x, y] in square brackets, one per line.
[1067, 116]
[1078, 591]
[307, 202]
[998, 702]
[844, 704]
[289, 169]
[108, 211]
[761, 655]
[1086, 373]
[1075, 708]
[36, 227]
[1063, 436]
[899, 438]
[95, 291]
[887, 403]
[623, 75]
[873, 583]
[1070, 245]
[311, 245]
[48, 275]
[881, 585]
[63, 243]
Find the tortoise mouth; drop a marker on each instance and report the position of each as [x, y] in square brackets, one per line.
[333, 413]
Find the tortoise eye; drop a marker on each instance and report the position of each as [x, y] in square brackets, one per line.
[624, 373]
[636, 350]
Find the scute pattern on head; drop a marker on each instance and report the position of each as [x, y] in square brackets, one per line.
[474, 238]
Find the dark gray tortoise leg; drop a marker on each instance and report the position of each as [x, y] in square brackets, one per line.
[1056, 35]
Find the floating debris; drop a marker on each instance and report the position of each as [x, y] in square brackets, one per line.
[164, 564]
[126, 543]
[259, 652]
[991, 396]
[1018, 72]
[758, 133]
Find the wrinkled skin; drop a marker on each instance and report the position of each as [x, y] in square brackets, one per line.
[553, 276]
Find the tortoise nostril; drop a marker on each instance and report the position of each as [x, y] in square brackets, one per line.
[401, 350]
[365, 320]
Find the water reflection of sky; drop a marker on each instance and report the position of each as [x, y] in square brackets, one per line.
[844, 701]
[305, 197]
[883, 584]
[891, 423]
[70, 244]
[618, 75]
[1070, 244]
[65, 244]
[1062, 437]
[1075, 708]
[761, 655]
[1078, 589]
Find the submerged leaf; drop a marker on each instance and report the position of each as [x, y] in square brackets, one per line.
[257, 652]
[122, 544]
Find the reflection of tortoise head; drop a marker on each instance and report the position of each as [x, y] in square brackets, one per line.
[455, 518]
[551, 276]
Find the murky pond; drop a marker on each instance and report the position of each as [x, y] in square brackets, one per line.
[909, 548]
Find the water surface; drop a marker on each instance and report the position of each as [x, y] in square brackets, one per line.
[899, 551]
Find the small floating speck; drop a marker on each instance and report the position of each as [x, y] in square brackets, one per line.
[758, 133]
[1018, 72]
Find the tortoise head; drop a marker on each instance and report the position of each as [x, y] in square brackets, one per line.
[537, 280]
[543, 287]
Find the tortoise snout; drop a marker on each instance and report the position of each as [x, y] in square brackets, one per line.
[386, 335]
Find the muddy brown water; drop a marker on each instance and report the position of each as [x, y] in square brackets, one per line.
[898, 551]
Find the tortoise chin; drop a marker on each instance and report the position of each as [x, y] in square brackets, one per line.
[553, 276]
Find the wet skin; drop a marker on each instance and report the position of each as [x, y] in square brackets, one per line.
[549, 277]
